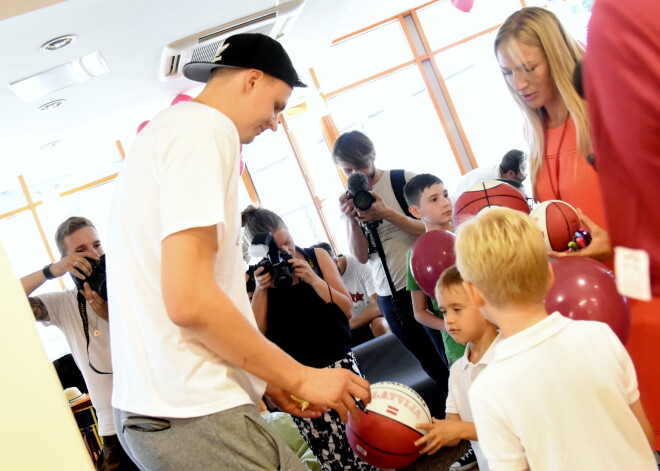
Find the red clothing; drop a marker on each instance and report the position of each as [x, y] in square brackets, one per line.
[566, 175]
[622, 81]
[622, 84]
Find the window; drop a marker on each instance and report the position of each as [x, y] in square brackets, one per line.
[322, 172]
[355, 58]
[397, 114]
[11, 195]
[491, 119]
[445, 24]
[281, 186]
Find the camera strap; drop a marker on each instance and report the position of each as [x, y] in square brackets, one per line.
[372, 231]
[82, 309]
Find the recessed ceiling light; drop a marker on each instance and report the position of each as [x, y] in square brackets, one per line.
[49, 145]
[51, 105]
[58, 43]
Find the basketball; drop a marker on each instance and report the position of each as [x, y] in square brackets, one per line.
[491, 193]
[558, 221]
[385, 436]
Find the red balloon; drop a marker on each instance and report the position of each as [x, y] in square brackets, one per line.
[142, 125]
[179, 98]
[584, 289]
[432, 254]
[463, 5]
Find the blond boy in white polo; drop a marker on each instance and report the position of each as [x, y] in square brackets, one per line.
[559, 394]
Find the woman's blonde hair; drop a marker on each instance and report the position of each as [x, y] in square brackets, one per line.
[539, 27]
[501, 251]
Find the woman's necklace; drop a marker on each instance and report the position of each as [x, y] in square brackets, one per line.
[555, 190]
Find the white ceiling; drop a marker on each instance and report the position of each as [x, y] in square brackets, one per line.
[131, 35]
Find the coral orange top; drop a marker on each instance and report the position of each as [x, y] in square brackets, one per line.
[566, 175]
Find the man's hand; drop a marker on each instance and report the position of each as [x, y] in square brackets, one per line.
[379, 210]
[336, 388]
[347, 206]
[96, 302]
[76, 264]
[600, 247]
[283, 400]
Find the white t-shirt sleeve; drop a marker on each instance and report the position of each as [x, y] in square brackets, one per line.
[499, 445]
[54, 304]
[206, 174]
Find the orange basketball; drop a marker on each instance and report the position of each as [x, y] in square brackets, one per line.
[491, 193]
[385, 436]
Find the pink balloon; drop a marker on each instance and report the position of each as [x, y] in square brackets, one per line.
[141, 126]
[241, 165]
[179, 98]
[584, 289]
[432, 254]
[463, 5]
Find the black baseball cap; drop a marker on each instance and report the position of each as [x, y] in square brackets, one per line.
[248, 51]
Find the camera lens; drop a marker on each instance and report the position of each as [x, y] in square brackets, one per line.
[363, 200]
[282, 277]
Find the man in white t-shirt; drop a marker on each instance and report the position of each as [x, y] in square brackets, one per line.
[77, 240]
[189, 362]
[366, 322]
[355, 152]
[512, 167]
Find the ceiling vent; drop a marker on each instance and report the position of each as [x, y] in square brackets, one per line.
[275, 22]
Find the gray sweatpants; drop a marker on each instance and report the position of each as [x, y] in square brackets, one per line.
[235, 439]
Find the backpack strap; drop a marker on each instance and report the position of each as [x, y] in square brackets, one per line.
[310, 257]
[398, 180]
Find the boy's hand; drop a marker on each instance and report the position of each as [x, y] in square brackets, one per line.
[441, 433]
[600, 247]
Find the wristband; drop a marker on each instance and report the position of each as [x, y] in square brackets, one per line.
[47, 273]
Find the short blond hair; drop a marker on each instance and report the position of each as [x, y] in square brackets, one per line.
[449, 278]
[501, 251]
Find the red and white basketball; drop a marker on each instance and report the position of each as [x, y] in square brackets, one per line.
[385, 436]
[558, 221]
[488, 194]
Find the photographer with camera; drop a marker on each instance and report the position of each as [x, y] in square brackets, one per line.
[82, 316]
[381, 233]
[301, 304]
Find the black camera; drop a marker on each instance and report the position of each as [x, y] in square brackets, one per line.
[358, 191]
[96, 279]
[274, 261]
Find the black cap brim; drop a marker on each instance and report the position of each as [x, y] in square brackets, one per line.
[201, 71]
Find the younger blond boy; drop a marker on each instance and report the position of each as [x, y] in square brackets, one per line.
[559, 394]
[468, 327]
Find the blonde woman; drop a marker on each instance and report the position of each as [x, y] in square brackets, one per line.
[537, 58]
